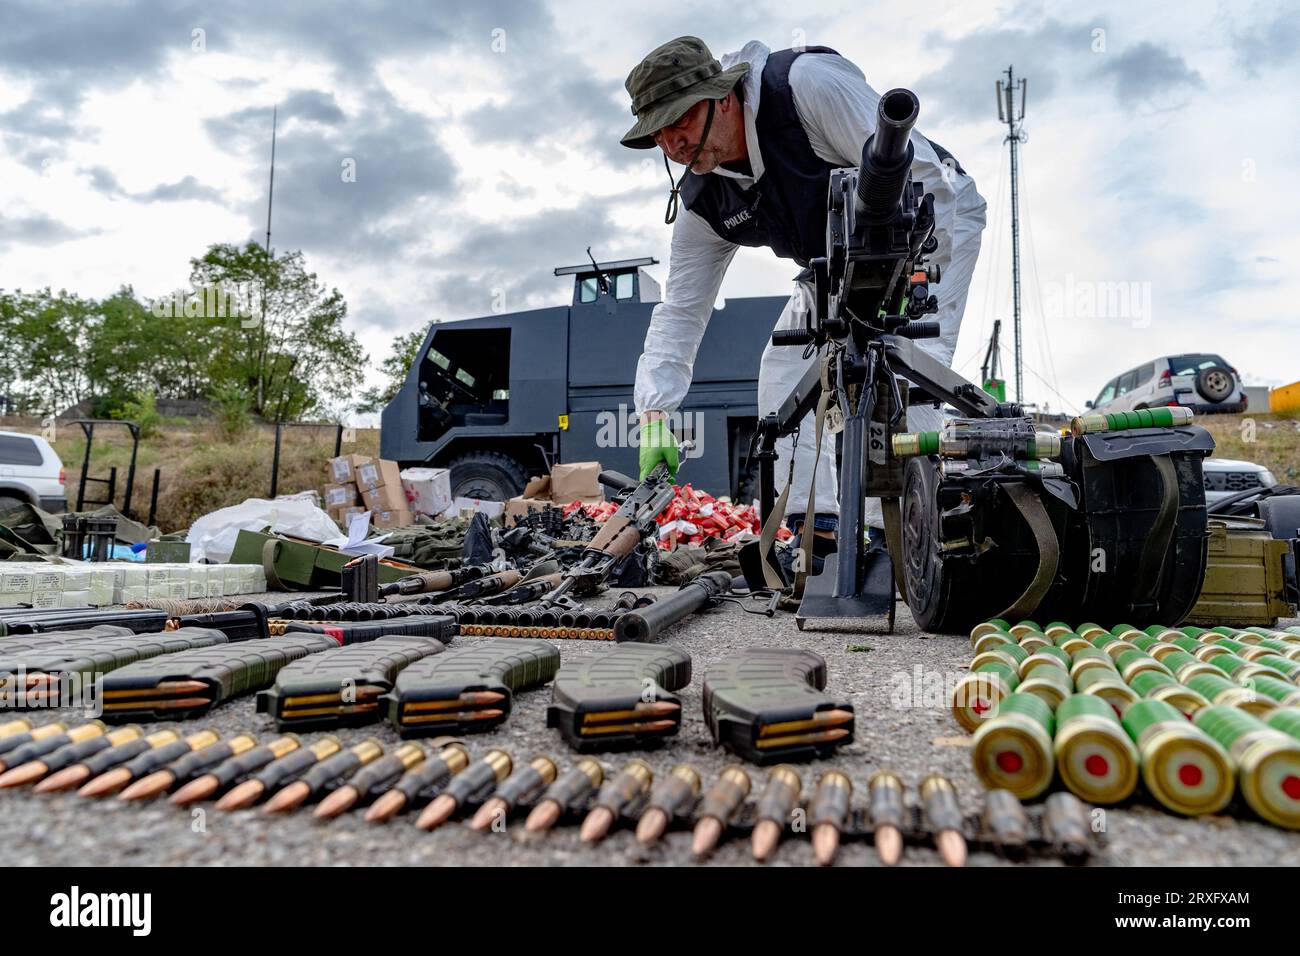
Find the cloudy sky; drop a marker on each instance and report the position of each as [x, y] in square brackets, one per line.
[1162, 146]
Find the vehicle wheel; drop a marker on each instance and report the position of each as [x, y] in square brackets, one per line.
[1215, 384]
[9, 501]
[487, 475]
[923, 572]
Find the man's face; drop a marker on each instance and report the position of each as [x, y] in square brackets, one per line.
[679, 140]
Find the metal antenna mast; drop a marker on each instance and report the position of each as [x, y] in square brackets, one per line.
[1013, 116]
[270, 195]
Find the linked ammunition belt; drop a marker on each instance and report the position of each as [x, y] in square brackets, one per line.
[468, 690]
[342, 687]
[621, 699]
[184, 685]
[50, 664]
[31, 621]
[442, 776]
[767, 705]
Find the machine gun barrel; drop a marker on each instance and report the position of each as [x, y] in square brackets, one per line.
[887, 156]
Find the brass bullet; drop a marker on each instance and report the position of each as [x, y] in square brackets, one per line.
[24, 774]
[651, 826]
[826, 843]
[149, 786]
[65, 779]
[707, 833]
[596, 825]
[543, 816]
[767, 834]
[340, 801]
[198, 789]
[488, 812]
[387, 806]
[108, 782]
[244, 795]
[288, 798]
[437, 812]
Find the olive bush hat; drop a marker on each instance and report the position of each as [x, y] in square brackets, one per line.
[669, 81]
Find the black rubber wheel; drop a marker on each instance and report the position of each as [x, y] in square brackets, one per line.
[923, 572]
[1215, 384]
[1281, 515]
[9, 502]
[488, 476]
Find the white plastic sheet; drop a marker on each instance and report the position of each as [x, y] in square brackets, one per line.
[212, 537]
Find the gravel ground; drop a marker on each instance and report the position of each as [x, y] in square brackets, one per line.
[877, 672]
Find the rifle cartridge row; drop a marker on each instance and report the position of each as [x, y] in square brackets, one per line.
[436, 780]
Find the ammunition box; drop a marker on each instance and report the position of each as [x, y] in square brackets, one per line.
[1245, 580]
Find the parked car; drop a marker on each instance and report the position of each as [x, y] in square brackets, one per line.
[31, 472]
[1227, 476]
[1202, 381]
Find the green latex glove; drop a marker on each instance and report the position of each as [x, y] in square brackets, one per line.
[657, 444]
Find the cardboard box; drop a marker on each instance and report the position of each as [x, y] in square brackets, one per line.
[374, 472]
[396, 518]
[385, 498]
[428, 490]
[340, 496]
[493, 509]
[536, 496]
[344, 468]
[576, 481]
[346, 514]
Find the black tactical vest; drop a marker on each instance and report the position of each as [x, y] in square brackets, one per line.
[785, 209]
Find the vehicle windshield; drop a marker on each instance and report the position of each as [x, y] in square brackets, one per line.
[1192, 363]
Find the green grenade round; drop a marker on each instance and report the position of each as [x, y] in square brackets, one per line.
[1050, 684]
[1268, 762]
[1154, 685]
[978, 695]
[1094, 756]
[1013, 751]
[1110, 687]
[1184, 769]
[1283, 692]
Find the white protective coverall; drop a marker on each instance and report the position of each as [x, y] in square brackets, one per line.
[838, 112]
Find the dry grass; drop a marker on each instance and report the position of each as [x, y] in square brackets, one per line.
[201, 469]
[1269, 440]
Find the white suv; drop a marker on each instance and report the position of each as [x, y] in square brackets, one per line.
[31, 471]
[1202, 381]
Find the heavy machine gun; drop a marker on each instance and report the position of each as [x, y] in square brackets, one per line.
[1003, 535]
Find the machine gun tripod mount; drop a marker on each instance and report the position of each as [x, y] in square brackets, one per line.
[872, 290]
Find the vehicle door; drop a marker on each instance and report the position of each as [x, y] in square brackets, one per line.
[1124, 390]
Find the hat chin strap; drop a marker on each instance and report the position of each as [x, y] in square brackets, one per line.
[670, 215]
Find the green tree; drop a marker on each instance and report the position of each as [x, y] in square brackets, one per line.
[405, 351]
[289, 349]
[47, 335]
